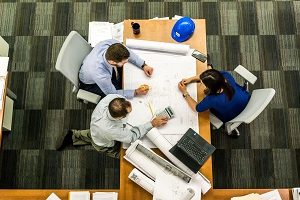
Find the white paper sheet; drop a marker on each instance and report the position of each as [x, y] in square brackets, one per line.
[3, 65]
[181, 49]
[105, 196]
[272, 195]
[170, 187]
[53, 196]
[169, 69]
[99, 31]
[117, 31]
[80, 195]
[252, 196]
[160, 18]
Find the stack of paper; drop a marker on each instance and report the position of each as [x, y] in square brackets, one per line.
[3, 65]
[251, 196]
[100, 31]
[82, 195]
[272, 195]
[105, 196]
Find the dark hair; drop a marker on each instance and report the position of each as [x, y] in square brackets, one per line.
[118, 107]
[214, 82]
[117, 52]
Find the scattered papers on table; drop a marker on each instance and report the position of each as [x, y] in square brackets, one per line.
[53, 197]
[100, 31]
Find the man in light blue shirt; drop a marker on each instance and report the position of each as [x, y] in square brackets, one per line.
[102, 70]
[109, 127]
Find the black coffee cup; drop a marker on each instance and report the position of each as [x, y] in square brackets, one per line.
[135, 28]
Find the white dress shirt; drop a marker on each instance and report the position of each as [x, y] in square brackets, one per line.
[96, 69]
[105, 129]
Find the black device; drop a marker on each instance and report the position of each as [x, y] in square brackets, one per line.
[199, 56]
[192, 150]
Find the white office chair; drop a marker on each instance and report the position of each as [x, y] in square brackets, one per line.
[69, 60]
[259, 100]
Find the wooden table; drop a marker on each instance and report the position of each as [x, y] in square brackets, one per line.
[160, 30]
[157, 31]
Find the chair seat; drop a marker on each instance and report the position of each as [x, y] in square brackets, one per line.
[216, 122]
[88, 96]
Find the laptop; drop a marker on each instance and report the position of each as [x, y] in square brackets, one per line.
[192, 150]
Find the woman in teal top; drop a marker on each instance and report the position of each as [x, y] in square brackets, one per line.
[224, 97]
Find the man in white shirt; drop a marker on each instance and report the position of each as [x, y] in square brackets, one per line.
[109, 127]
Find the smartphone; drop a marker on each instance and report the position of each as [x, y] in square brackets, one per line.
[199, 56]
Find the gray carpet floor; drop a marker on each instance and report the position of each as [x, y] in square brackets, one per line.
[263, 36]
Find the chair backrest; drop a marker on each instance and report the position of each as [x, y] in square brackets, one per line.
[4, 47]
[71, 55]
[246, 74]
[259, 100]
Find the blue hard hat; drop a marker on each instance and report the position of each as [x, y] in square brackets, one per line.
[183, 29]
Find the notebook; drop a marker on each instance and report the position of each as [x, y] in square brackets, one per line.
[192, 150]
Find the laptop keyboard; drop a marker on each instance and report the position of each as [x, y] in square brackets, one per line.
[191, 148]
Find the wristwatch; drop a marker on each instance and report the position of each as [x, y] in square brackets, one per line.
[143, 65]
[185, 95]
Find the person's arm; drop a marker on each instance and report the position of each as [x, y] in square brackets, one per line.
[136, 132]
[137, 61]
[193, 79]
[107, 87]
[204, 105]
[191, 102]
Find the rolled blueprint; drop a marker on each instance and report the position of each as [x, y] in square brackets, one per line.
[152, 169]
[142, 180]
[181, 49]
[164, 146]
[142, 162]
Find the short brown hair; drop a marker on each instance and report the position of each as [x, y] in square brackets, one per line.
[118, 107]
[117, 52]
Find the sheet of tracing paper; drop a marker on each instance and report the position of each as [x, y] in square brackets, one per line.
[171, 63]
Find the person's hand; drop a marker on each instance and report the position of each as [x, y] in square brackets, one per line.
[148, 70]
[182, 87]
[142, 90]
[187, 81]
[159, 121]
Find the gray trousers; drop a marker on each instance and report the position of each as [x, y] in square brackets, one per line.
[83, 137]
